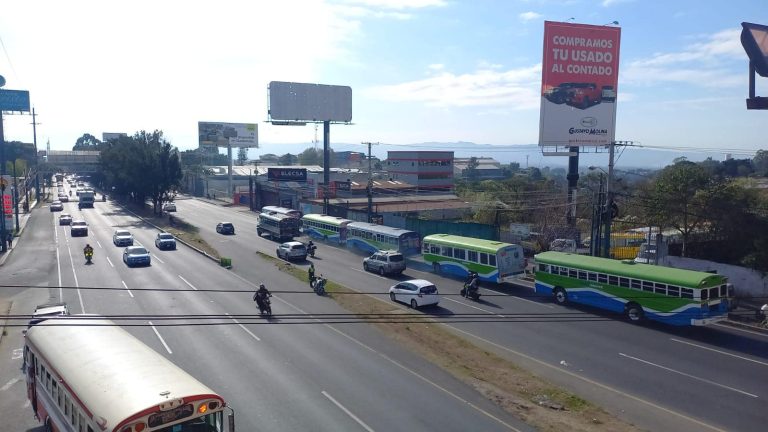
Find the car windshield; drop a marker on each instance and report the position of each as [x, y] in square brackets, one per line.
[78, 223]
[297, 246]
[226, 225]
[429, 289]
[137, 251]
[122, 233]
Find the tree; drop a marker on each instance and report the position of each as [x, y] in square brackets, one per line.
[472, 172]
[242, 156]
[311, 156]
[87, 142]
[287, 159]
[675, 199]
[142, 166]
[760, 162]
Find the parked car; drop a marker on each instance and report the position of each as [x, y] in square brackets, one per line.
[122, 238]
[225, 228]
[385, 262]
[165, 240]
[415, 292]
[292, 250]
[78, 228]
[169, 207]
[57, 206]
[65, 219]
[136, 255]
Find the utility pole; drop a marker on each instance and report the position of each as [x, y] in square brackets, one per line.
[370, 182]
[608, 202]
[3, 235]
[37, 172]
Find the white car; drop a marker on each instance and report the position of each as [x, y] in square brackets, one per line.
[122, 238]
[415, 292]
[169, 207]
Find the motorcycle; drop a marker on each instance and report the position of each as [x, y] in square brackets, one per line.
[88, 257]
[468, 291]
[311, 250]
[319, 286]
[265, 304]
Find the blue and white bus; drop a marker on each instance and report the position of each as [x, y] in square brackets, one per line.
[373, 238]
[325, 227]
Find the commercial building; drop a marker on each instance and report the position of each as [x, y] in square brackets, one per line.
[423, 169]
[486, 168]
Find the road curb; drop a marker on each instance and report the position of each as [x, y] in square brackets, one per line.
[6, 311]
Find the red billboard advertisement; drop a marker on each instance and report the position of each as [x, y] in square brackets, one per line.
[579, 83]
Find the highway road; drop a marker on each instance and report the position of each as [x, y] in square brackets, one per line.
[277, 377]
[657, 377]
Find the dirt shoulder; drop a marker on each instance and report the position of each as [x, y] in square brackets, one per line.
[523, 394]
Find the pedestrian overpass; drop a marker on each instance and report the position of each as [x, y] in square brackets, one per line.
[77, 161]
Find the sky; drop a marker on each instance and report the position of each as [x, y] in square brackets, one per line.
[420, 70]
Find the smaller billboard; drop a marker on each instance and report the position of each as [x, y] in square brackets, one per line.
[216, 134]
[287, 174]
[343, 185]
[109, 136]
[14, 100]
[289, 101]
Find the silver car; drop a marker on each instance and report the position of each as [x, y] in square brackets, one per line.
[122, 238]
[385, 262]
[292, 250]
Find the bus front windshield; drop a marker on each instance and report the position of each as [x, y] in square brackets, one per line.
[207, 423]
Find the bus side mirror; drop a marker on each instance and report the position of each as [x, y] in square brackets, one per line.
[231, 421]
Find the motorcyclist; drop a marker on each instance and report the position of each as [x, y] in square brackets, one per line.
[311, 273]
[320, 285]
[260, 295]
[88, 251]
[472, 282]
[311, 248]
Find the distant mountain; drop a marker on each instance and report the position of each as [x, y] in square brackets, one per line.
[530, 154]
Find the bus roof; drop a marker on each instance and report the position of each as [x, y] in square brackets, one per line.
[668, 275]
[115, 375]
[383, 229]
[276, 216]
[482, 245]
[331, 220]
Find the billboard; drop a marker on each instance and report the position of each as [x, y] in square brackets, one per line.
[299, 102]
[579, 84]
[14, 100]
[215, 134]
[287, 174]
[109, 136]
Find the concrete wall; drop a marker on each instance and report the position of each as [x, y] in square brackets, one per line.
[746, 282]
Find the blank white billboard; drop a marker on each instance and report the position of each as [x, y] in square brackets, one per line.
[290, 101]
[217, 134]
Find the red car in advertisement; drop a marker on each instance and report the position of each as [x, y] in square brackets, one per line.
[584, 95]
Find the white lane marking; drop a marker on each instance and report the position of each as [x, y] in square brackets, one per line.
[243, 327]
[187, 282]
[585, 379]
[58, 269]
[97, 242]
[10, 383]
[688, 375]
[77, 284]
[126, 287]
[160, 337]
[718, 351]
[110, 262]
[348, 412]
[155, 256]
[17, 353]
[26, 403]
[474, 307]
[371, 273]
[740, 329]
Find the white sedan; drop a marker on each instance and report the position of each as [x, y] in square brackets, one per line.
[415, 292]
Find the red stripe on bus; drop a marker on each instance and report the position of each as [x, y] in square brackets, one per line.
[156, 408]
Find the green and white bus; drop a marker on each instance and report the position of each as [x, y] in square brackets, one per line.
[325, 227]
[669, 295]
[494, 261]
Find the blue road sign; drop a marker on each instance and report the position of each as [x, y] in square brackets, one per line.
[14, 100]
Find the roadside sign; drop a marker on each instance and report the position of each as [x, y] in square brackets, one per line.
[14, 100]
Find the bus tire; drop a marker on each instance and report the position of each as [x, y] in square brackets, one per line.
[560, 296]
[436, 267]
[634, 312]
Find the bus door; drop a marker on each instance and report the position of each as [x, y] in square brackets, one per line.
[511, 263]
[29, 362]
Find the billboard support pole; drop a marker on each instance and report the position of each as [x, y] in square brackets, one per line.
[3, 241]
[229, 170]
[573, 181]
[326, 163]
[608, 202]
[37, 170]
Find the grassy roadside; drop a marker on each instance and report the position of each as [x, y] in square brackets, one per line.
[523, 394]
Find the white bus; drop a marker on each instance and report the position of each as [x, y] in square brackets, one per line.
[86, 374]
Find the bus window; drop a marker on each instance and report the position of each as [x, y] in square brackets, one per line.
[446, 251]
[635, 284]
[472, 256]
[543, 268]
[563, 271]
[592, 277]
[483, 258]
[602, 278]
[554, 269]
[425, 249]
[704, 294]
[435, 249]
[492, 260]
[673, 291]
[582, 275]
[613, 280]
[572, 273]
[459, 253]
[661, 289]
[686, 293]
[647, 286]
[624, 282]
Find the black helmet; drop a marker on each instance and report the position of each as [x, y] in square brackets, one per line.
[262, 286]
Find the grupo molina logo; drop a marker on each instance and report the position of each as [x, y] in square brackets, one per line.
[589, 122]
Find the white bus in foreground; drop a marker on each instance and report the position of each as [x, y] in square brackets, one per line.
[86, 374]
